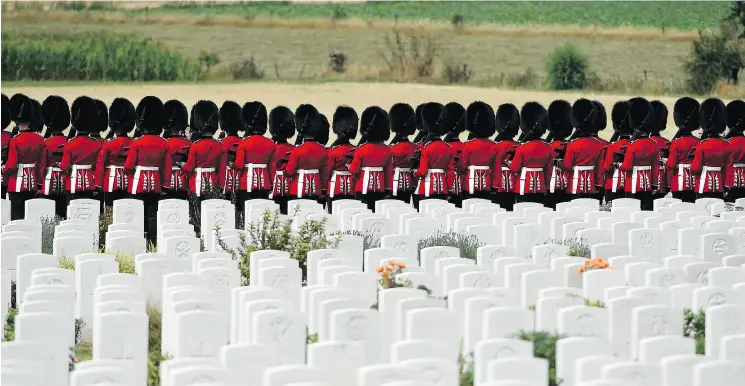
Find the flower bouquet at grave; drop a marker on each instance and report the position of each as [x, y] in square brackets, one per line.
[592, 264]
[389, 275]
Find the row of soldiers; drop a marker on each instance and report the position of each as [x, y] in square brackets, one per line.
[174, 153]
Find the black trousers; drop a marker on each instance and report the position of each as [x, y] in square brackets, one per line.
[646, 199]
[60, 204]
[506, 200]
[551, 199]
[110, 197]
[685, 195]
[150, 203]
[3, 191]
[532, 197]
[330, 201]
[176, 195]
[610, 195]
[457, 200]
[485, 195]
[370, 199]
[734, 194]
[282, 202]
[419, 198]
[18, 204]
[710, 195]
[403, 196]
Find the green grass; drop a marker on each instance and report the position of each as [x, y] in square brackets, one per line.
[648, 14]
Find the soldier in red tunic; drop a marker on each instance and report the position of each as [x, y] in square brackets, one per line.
[678, 164]
[307, 162]
[735, 181]
[559, 115]
[508, 124]
[231, 121]
[176, 118]
[26, 157]
[601, 124]
[478, 159]
[456, 125]
[56, 114]
[660, 114]
[641, 160]
[710, 160]
[341, 181]
[583, 155]
[205, 154]
[80, 153]
[432, 164]
[403, 123]
[615, 182]
[254, 154]
[5, 141]
[532, 161]
[111, 178]
[281, 128]
[371, 164]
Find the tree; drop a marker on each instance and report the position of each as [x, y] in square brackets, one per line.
[208, 59]
[737, 15]
[715, 56]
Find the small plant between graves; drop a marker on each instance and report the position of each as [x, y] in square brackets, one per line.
[47, 233]
[577, 248]
[467, 244]
[10, 325]
[544, 346]
[694, 326]
[369, 240]
[465, 366]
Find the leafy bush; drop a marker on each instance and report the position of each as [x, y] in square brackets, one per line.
[715, 56]
[79, 325]
[155, 327]
[92, 56]
[65, 262]
[104, 220]
[247, 69]
[47, 233]
[694, 326]
[208, 59]
[410, 54]
[567, 68]
[466, 368]
[457, 73]
[369, 240]
[10, 325]
[466, 243]
[338, 61]
[153, 367]
[544, 346]
[577, 248]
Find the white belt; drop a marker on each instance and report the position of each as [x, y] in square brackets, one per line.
[19, 175]
[112, 175]
[48, 178]
[138, 171]
[366, 178]
[198, 181]
[277, 174]
[523, 173]
[738, 165]
[250, 175]
[552, 183]
[74, 177]
[634, 175]
[681, 174]
[472, 176]
[428, 179]
[575, 177]
[705, 170]
[301, 180]
[332, 184]
[173, 168]
[397, 177]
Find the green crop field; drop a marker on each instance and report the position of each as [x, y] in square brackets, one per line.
[684, 16]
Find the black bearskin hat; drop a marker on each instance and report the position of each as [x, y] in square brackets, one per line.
[307, 119]
[685, 113]
[102, 116]
[534, 119]
[403, 119]
[713, 116]
[21, 109]
[322, 134]
[456, 114]
[56, 113]
[480, 120]
[346, 122]
[418, 111]
[281, 123]
[231, 117]
[434, 119]
[150, 117]
[206, 116]
[601, 120]
[6, 111]
[641, 115]
[560, 118]
[660, 115]
[255, 118]
[736, 115]
[122, 116]
[620, 118]
[374, 125]
[508, 120]
[83, 114]
[37, 119]
[175, 115]
[584, 115]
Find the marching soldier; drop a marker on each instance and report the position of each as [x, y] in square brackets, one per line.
[341, 181]
[231, 121]
[533, 158]
[478, 158]
[149, 162]
[432, 164]
[641, 162]
[508, 123]
[372, 160]
[26, 157]
[255, 153]
[709, 166]
[57, 118]
[615, 181]
[559, 115]
[678, 165]
[456, 125]
[5, 140]
[80, 153]
[281, 128]
[306, 163]
[205, 154]
[583, 155]
[175, 122]
[663, 145]
[403, 123]
[111, 178]
[735, 181]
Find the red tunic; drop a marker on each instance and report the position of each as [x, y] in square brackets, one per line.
[306, 168]
[559, 178]
[503, 181]
[78, 162]
[641, 165]
[205, 159]
[709, 165]
[280, 180]
[582, 159]
[253, 157]
[678, 165]
[662, 143]
[614, 180]
[176, 176]
[531, 166]
[433, 166]
[455, 181]
[54, 178]
[736, 172]
[341, 181]
[477, 160]
[110, 167]
[401, 179]
[371, 167]
[229, 176]
[27, 159]
[4, 142]
[149, 163]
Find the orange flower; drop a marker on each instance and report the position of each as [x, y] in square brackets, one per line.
[389, 267]
[384, 273]
[379, 269]
[401, 265]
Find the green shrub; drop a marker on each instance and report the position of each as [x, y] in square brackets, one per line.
[65, 262]
[104, 220]
[467, 244]
[79, 325]
[153, 367]
[694, 326]
[126, 264]
[10, 325]
[92, 56]
[247, 69]
[155, 327]
[544, 346]
[47, 233]
[567, 68]
[714, 56]
[369, 240]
